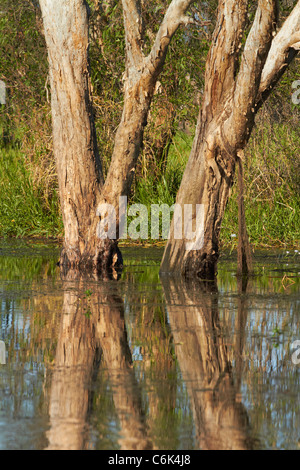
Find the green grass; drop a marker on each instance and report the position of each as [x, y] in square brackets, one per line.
[272, 186]
[160, 187]
[272, 197]
[269, 223]
[272, 190]
[24, 210]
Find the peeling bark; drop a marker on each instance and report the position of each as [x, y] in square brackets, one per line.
[81, 184]
[75, 148]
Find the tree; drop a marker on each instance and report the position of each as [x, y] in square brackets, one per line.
[81, 183]
[238, 79]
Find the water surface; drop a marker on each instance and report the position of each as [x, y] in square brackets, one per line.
[148, 362]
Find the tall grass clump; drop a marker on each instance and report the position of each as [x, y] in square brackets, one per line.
[161, 185]
[23, 207]
[272, 178]
[29, 203]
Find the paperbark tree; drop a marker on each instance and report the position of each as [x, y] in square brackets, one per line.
[237, 81]
[81, 184]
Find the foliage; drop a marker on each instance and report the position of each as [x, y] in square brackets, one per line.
[28, 181]
[28, 192]
[24, 206]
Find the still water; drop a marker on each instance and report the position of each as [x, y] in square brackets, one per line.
[148, 362]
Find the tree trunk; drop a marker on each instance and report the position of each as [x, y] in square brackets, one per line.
[78, 164]
[233, 93]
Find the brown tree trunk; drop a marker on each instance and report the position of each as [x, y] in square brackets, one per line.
[78, 163]
[235, 85]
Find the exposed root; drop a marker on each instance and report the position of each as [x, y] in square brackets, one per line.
[244, 258]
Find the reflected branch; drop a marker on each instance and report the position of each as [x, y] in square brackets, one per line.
[110, 331]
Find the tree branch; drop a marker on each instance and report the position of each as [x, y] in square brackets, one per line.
[186, 20]
[252, 62]
[223, 55]
[133, 32]
[283, 50]
[174, 17]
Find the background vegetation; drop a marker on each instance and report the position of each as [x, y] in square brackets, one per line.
[29, 203]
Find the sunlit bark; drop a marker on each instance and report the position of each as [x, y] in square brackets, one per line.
[81, 184]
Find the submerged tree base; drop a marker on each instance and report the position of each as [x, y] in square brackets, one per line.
[106, 260]
[201, 265]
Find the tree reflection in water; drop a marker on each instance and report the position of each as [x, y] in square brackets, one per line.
[220, 418]
[93, 330]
